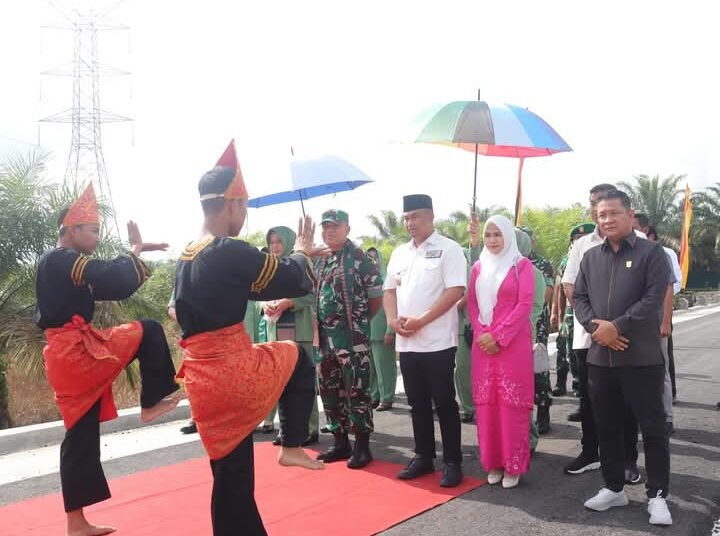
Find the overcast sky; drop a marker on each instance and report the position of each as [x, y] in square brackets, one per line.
[631, 86]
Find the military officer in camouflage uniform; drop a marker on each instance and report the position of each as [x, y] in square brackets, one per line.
[349, 295]
[463, 355]
[563, 312]
[543, 387]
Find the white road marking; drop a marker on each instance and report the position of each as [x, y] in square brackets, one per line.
[46, 460]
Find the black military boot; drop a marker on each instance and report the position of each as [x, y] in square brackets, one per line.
[189, 428]
[561, 385]
[341, 449]
[543, 419]
[361, 455]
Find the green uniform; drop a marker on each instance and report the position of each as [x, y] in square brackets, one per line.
[566, 361]
[347, 280]
[295, 322]
[566, 358]
[543, 387]
[524, 246]
[383, 366]
[463, 357]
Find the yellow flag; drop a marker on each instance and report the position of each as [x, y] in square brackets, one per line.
[685, 239]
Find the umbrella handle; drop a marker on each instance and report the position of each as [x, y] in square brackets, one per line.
[475, 179]
[518, 195]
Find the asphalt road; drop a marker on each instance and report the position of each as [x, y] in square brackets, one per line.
[547, 501]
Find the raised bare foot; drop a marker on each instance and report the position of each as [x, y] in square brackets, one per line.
[166, 405]
[92, 530]
[296, 457]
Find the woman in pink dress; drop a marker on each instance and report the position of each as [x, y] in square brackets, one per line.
[500, 298]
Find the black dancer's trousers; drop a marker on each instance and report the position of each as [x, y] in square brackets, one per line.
[81, 474]
[233, 508]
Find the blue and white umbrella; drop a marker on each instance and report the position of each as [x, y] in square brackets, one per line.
[310, 177]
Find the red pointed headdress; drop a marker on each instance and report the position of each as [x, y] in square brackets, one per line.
[236, 189]
[84, 211]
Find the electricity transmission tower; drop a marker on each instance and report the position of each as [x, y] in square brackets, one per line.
[86, 161]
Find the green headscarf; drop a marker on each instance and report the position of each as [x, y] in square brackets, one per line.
[524, 242]
[287, 237]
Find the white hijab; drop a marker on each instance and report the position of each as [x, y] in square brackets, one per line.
[494, 268]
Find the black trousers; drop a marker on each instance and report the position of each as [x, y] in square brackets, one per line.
[81, 474]
[233, 508]
[297, 399]
[640, 388]
[429, 378]
[589, 439]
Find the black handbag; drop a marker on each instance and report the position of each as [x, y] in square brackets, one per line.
[468, 334]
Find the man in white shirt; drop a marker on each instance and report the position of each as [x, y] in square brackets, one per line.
[425, 279]
[588, 459]
[666, 319]
[643, 223]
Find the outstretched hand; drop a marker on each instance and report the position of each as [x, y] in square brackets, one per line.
[305, 239]
[137, 245]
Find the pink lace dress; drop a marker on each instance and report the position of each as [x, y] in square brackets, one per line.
[503, 384]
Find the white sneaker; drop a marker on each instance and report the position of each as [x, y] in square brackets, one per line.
[606, 499]
[495, 476]
[659, 512]
[510, 481]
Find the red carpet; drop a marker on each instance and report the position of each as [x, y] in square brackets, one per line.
[174, 500]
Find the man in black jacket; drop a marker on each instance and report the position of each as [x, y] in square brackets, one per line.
[618, 295]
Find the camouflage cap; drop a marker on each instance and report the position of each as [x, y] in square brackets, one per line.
[334, 216]
[581, 230]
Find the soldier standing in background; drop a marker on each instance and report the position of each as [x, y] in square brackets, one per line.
[543, 387]
[562, 314]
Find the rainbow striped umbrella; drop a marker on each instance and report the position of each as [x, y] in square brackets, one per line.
[491, 130]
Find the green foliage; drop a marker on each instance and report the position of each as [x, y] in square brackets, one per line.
[28, 228]
[389, 228]
[156, 291]
[658, 199]
[256, 239]
[705, 229]
[551, 229]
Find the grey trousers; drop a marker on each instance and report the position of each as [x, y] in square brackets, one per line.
[667, 389]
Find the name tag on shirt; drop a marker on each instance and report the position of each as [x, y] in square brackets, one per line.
[433, 253]
[628, 264]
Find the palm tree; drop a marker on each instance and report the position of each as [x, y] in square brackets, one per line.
[390, 228]
[455, 227]
[28, 228]
[657, 198]
[705, 229]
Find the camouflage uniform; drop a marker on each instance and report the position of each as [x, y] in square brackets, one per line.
[566, 361]
[565, 350]
[347, 279]
[543, 388]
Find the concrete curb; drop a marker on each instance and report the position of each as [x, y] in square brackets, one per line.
[52, 433]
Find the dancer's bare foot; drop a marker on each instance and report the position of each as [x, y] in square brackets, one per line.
[166, 405]
[92, 530]
[77, 525]
[296, 457]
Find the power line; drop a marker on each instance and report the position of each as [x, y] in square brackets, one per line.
[86, 160]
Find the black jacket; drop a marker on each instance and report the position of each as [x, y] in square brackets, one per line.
[627, 288]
